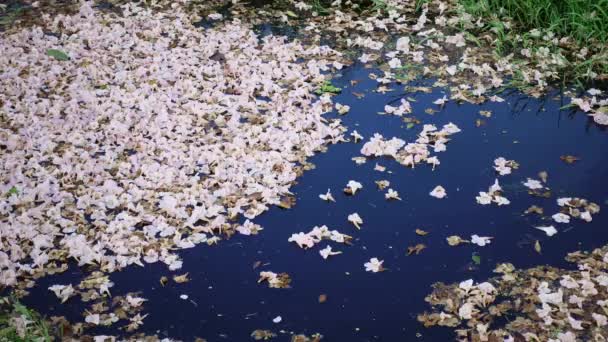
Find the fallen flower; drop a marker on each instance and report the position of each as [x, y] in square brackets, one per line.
[342, 109]
[379, 168]
[356, 136]
[352, 187]
[504, 166]
[63, 292]
[392, 194]
[549, 230]
[327, 252]
[355, 219]
[438, 192]
[327, 196]
[533, 184]
[480, 240]
[561, 218]
[382, 184]
[374, 265]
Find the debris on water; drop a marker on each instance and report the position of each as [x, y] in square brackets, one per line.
[416, 249]
[276, 281]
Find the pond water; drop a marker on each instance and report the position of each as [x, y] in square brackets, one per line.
[226, 304]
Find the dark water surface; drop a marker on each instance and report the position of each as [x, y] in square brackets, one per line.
[363, 306]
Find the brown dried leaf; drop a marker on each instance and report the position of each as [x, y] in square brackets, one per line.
[421, 232]
[322, 298]
[181, 278]
[416, 249]
[164, 280]
[455, 240]
[534, 209]
[568, 159]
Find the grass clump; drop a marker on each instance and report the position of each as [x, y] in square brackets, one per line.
[582, 20]
[571, 34]
[20, 324]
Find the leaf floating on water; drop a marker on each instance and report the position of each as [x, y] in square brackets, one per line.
[287, 202]
[534, 209]
[421, 232]
[455, 240]
[476, 259]
[260, 334]
[58, 54]
[416, 249]
[275, 281]
[358, 95]
[479, 123]
[164, 281]
[181, 278]
[537, 247]
[568, 159]
[257, 264]
[486, 113]
[322, 298]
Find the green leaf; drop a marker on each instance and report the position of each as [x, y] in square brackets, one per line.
[291, 14]
[476, 259]
[58, 54]
[12, 191]
[410, 125]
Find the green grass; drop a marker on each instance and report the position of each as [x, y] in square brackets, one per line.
[35, 329]
[583, 20]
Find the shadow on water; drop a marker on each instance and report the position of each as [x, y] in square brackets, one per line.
[226, 304]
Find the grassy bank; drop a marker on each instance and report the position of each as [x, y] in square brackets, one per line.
[576, 29]
[583, 20]
[20, 324]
